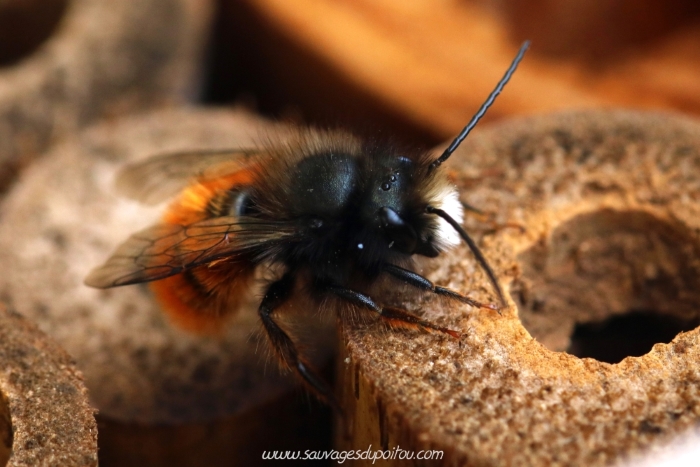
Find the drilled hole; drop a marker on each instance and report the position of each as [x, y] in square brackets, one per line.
[6, 437]
[25, 25]
[629, 335]
[610, 284]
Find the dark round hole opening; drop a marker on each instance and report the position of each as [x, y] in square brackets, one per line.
[610, 284]
[630, 335]
[25, 25]
[6, 436]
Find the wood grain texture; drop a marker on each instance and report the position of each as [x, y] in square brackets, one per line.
[431, 64]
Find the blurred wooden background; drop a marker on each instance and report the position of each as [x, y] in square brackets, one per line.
[420, 68]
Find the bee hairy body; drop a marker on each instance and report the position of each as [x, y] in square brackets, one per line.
[328, 197]
[330, 213]
[327, 211]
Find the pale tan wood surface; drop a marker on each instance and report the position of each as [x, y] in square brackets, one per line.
[609, 203]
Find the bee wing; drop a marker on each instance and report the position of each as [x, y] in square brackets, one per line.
[164, 250]
[161, 177]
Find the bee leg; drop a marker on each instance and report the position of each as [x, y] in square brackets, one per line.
[416, 280]
[277, 293]
[391, 315]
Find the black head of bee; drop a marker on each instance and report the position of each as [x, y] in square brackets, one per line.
[357, 207]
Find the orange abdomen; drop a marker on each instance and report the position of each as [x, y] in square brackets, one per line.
[200, 298]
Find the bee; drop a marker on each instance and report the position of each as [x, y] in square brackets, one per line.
[331, 213]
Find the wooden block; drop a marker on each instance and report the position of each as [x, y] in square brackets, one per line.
[45, 416]
[609, 203]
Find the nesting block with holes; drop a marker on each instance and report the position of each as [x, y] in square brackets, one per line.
[609, 203]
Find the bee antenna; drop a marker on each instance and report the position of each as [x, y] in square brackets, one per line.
[484, 107]
[475, 249]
